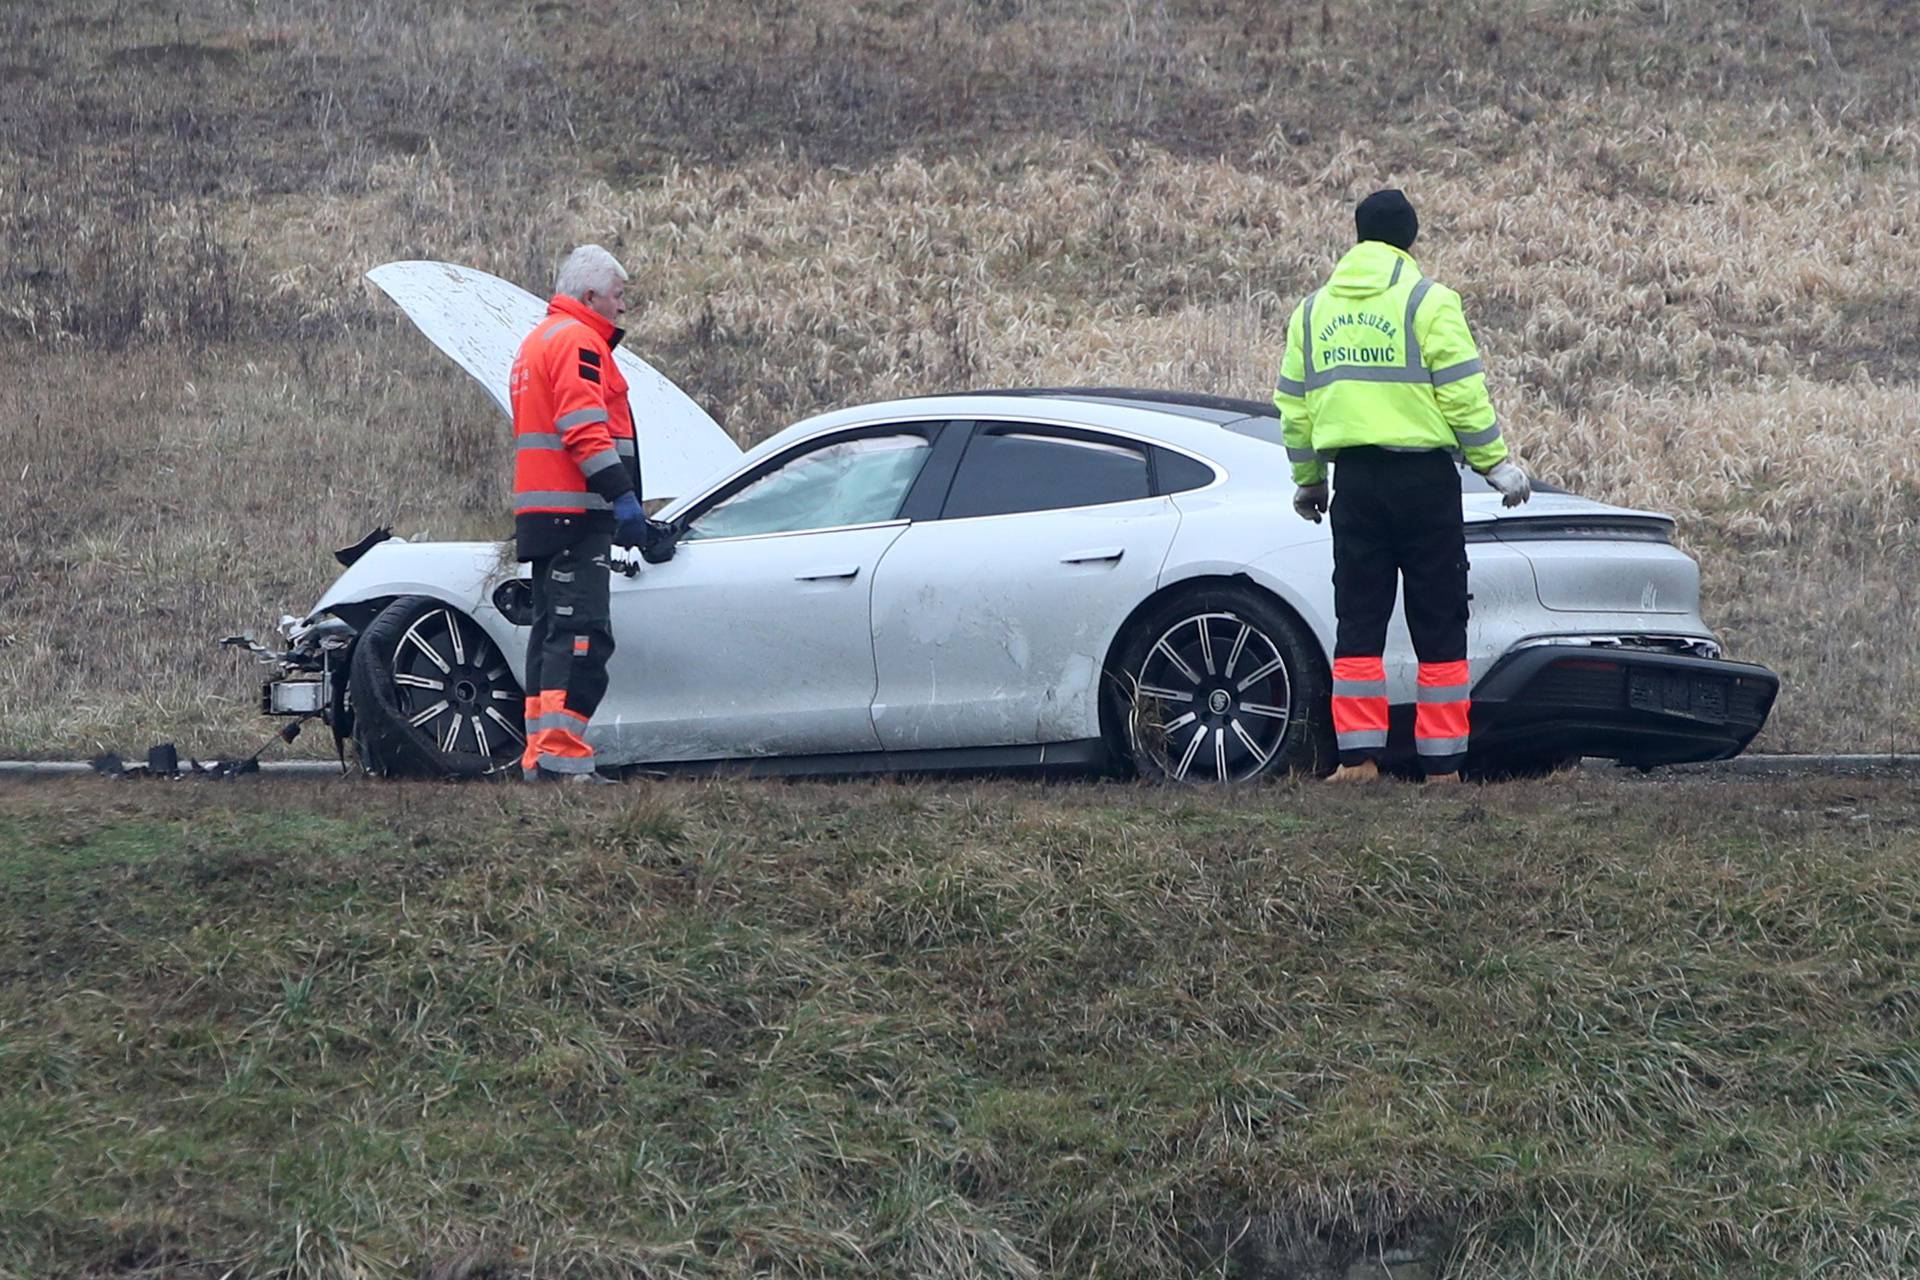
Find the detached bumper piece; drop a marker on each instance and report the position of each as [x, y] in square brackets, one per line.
[1640, 708]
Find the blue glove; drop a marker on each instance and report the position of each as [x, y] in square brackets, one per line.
[629, 522]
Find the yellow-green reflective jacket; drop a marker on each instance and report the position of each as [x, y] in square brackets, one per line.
[1380, 355]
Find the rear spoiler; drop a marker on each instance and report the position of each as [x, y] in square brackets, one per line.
[1562, 528]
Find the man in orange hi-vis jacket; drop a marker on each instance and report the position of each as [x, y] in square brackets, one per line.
[576, 489]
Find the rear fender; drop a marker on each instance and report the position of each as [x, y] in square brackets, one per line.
[1296, 567]
[1240, 576]
[1300, 577]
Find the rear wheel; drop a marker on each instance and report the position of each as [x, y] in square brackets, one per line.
[432, 695]
[1220, 686]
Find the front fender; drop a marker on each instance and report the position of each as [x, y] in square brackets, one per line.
[462, 574]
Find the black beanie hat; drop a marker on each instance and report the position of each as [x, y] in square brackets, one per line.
[1387, 215]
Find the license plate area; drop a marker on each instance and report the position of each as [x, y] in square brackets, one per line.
[1679, 693]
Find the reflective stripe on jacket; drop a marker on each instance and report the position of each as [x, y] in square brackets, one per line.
[574, 446]
[1382, 356]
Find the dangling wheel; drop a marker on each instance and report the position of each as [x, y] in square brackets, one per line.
[432, 695]
[1221, 686]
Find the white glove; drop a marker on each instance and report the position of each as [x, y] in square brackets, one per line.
[1511, 481]
[1310, 501]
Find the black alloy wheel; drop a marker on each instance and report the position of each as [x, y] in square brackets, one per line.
[1222, 687]
[433, 696]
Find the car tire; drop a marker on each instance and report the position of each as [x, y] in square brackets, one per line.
[1236, 668]
[432, 695]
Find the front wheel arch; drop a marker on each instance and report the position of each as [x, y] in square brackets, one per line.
[386, 738]
[1319, 754]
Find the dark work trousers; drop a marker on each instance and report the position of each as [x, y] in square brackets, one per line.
[567, 654]
[1397, 523]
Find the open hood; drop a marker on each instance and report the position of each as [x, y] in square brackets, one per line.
[480, 320]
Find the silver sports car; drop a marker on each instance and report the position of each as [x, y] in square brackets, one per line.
[1096, 578]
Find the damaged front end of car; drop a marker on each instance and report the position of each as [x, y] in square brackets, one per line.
[310, 669]
[405, 655]
[310, 672]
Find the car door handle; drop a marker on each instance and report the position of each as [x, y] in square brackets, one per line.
[825, 575]
[1109, 555]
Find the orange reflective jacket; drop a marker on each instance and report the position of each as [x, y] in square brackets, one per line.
[574, 447]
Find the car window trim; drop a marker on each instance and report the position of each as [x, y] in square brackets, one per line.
[928, 494]
[930, 428]
[899, 521]
[1128, 449]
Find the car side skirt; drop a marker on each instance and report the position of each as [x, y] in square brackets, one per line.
[1079, 755]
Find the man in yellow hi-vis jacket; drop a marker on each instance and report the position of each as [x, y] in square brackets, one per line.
[1382, 374]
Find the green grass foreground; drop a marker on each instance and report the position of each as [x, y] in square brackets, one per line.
[1584, 1027]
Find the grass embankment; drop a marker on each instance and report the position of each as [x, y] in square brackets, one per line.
[1685, 235]
[1582, 1028]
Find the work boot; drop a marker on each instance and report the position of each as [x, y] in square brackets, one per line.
[1445, 779]
[1365, 771]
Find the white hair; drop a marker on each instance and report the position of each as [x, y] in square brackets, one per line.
[588, 269]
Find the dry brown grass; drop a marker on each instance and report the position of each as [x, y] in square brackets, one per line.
[1686, 235]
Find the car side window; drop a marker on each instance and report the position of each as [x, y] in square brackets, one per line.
[1177, 473]
[1010, 468]
[861, 480]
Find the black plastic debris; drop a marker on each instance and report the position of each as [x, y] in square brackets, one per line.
[163, 760]
[347, 555]
[223, 769]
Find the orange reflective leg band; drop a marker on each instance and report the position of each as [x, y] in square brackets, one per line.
[1442, 718]
[1360, 703]
[554, 740]
[536, 705]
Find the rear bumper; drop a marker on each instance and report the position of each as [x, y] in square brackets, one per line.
[1642, 708]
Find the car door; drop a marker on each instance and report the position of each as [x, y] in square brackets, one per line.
[991, 623]
[756, 638]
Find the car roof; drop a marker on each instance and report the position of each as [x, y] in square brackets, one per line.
[1241, 435]
[1252, 418]
[1242, 417]
[1213, 427]
[1189, 421]
[1219, 410]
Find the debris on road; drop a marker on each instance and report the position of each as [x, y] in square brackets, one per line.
[163, 760]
